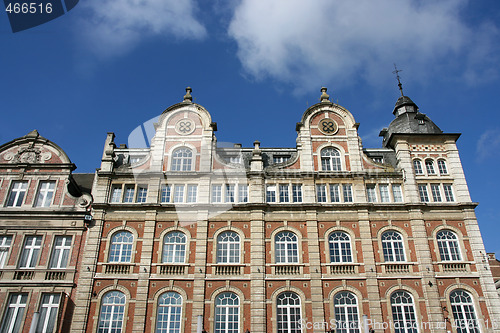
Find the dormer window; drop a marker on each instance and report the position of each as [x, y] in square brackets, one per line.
[280, 158]
[330, 159]
[182, 159]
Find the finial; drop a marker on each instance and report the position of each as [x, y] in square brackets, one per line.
[188, 97]
[396, 71]
[324, 96]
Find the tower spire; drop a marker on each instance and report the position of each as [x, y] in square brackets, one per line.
[396, 71]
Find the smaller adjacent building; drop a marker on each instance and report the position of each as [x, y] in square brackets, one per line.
[495, 270]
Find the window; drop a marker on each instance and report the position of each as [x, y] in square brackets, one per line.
[384, 193]
[429, 167]
[284, 197]
[462, 307]
[371, 194]
[227, 313]
[397, 193]
[142, 193]
[216, 193]
[13, 317]
[135, 159]
[5, 242]
[168, 319]
[174, 247]
[321, 192]
[288, 313]
[346, 312]
[448, 192]
[330, 159]
[45, 193]
[422, 190]
[165, 193]
[347, 191]
[129, 193]
[48, 313]
[448, 245]
[297, 193]
[271, 193]
[181, 159]
[280, 158]
[178, 193]
[340, 247]
[392, 246]
[436, 193]
[403, 312]
[287, 248]
[121, 247]
[334, 193]
[17, 193]
[116, 193]
[228, 248]
[192, 191]
[417, 167]
[60, 252]
[31, 250]
[443, 170]
[235, 159]
[242, 193]
[112, 312]
[229, 192]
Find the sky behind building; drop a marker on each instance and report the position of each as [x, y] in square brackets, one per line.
[111, 65]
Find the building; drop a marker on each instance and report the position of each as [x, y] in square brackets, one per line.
[495, 270]
[187, 235]
[42, 233]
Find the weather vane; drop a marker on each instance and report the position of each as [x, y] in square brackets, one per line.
[396, 71]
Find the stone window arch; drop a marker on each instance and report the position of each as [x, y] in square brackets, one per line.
[330, 159]
[182, 159]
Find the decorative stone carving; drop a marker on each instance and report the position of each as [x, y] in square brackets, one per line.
[29, 155]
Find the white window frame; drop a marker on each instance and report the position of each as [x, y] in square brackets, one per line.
[330, 159]
[297, 193]
[448, 245]
[464, 313]
[60, 256]
[423, 193]
[371, 192]
[404, 313]
[429, 167]
[227, 305]
[182, 159]
[112, 321]
[166, 193]
[179, 193]
[321, 195]
[384, 193]
[436, 192]
[347, 192]
[417, 167]
[289, 314]
[45, 193]
[334, 191]
[442, 167]
[32, 245]
[192, 193]
[5, 244]
[340, 247]
[345, 305]
[242, 193]
[229, 193]
[216, 195]
[116, 193]
[174, 248]
[286, 248]
[271, 193]
[170, 310]
[47, 321]
[399, 197]
[448, 193]
[393, 250]
[142, 193]
[17, 193]
[123, 247]
[17, 304]
[228, 248]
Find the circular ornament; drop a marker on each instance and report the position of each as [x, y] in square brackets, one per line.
[328, 126]
[185, 126]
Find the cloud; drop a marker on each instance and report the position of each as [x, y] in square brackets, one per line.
[488, 144]
[333, 41]
[115, 26]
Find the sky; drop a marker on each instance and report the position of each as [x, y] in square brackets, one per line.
[256, 66]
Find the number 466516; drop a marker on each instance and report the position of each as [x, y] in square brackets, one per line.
[29, 8]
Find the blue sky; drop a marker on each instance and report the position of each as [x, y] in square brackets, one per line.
[110, 65]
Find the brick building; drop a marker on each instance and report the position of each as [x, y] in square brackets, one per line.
[187, 235]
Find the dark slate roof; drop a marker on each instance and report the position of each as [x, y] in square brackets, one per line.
[402, 101]
[84, 181]
[388, 155]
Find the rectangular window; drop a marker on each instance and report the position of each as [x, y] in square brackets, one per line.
[17, 193]
[397, 193]
[347, 189]
[45, 193]
[243, 193]
[142, 193]
[448, 192]
[229, 192]
[31, 250]
[216, 193]
[271, 193]
[280, 158]
[13, 317]
[422, 190]
[165, 193]
[48, 313]
[116, 193]
[384, 192]
[321, 192]
[284, 196]
[192, 191]
[297, 192]
[371, 194]
[5, 242]
[235, 159]
[335, 193]
[60, 252]
[436, 193]
[129, 193]
[179, 193]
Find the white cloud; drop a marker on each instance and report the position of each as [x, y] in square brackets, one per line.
[114, 26]
[488, 144]
[315, 41]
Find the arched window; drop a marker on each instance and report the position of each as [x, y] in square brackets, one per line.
[112, 312]
[346, 312]
[448, 245]
[121, 247]
[417, 166]
[330, 159]
[168, 319]
[340, 247]
[228, 248]
[443, 170]
[181, 159]
[403, 312]
[286, 248]
[392, 245]
[174, 247]
[288, 312]
[227, 313]
[429, 167]
[462, 307]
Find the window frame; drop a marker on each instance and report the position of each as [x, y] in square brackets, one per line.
[347, 311]
[443, 245]
[18, 200]
[442, 167]
[185, 163]
[61, 249]
[229, 193]
[5, 249]
[340, 249]
[32, 249]
[223, 248]
[45, 317]
[178, 248]
[392, 256]
[120, 251]
[114, 306]
[287, 248]
[227, 313]
[17, 320]
[472, 306]
[417, 167]
[404, 310]
[285, 310]
[429, 167]
[330, 162]
[46, 195]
